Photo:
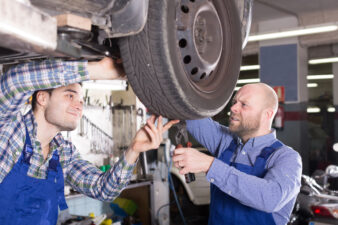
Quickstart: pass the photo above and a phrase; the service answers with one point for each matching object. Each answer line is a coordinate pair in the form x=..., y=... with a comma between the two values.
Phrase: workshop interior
x=186, y=59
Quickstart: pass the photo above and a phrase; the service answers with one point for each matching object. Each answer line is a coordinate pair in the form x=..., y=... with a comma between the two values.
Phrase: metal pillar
x=284, y=63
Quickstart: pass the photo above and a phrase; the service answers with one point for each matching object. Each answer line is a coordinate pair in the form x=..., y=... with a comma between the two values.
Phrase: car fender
x=198, y=191
x=130, y=19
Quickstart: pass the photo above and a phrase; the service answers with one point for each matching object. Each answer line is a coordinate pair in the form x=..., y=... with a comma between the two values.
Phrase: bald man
x=254, y=177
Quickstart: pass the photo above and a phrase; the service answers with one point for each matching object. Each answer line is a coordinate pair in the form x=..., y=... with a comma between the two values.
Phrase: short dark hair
x=33, y=102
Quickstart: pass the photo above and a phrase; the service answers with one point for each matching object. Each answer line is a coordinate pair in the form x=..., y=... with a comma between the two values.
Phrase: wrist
x=105, y=69
x=131, y=155
x=93, y=70
x=209, y=160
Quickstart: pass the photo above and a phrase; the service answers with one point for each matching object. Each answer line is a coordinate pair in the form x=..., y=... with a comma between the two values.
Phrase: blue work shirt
x=275, y=193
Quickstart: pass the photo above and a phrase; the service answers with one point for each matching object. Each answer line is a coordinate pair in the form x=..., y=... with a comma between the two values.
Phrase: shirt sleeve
x=89, y=180
x=270, y=193
x=209, y=133
x=19, y=82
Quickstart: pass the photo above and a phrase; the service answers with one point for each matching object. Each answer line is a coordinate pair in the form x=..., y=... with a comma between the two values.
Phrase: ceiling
x=272, y=9
x=307, y=13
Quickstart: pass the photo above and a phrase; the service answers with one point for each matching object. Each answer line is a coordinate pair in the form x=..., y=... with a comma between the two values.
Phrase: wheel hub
x=200, y=38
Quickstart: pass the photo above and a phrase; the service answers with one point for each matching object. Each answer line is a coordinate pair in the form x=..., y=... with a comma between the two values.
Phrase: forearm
x=45, y=74
x=131, y=155
x=105, y=69
x=87, y=179
x=268, y=194
x=208, y=133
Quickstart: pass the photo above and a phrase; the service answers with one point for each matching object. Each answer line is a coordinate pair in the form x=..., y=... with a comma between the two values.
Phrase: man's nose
x=234, y=108
x=78, y=103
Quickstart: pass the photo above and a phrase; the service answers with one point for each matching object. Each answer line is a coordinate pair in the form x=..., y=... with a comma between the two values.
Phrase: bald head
x=253, y=109
x=267, y=95
x=271, y=98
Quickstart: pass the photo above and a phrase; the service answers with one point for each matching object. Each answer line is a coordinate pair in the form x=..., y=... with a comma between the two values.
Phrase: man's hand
x=190, y=160
x=106, y=69
x=148, y=137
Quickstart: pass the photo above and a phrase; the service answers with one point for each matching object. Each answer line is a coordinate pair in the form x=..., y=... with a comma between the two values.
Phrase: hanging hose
x=171, y=185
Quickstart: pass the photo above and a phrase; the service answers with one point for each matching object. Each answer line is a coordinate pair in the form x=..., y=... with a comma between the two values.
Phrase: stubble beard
x=61, y=125
x=245, y=127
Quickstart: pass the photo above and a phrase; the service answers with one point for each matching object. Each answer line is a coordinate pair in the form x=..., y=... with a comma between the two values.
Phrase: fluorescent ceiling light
x=293, y=33
x=313, y=110
x=331, y=109
x=312, y=85
x=324, y=60
x=237, y=88
x=335, y=147
x=109, y=85
x=246, y=81
x=320, y=77
x=250, y=67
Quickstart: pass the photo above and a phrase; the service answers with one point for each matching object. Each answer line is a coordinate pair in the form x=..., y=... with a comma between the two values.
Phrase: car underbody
x=189, y=50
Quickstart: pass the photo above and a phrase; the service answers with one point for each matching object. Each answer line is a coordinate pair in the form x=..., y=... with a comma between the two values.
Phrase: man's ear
x=42, y=98
x=269, y=113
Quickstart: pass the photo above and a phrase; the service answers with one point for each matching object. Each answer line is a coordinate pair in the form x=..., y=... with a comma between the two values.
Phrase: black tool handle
x=189, y=177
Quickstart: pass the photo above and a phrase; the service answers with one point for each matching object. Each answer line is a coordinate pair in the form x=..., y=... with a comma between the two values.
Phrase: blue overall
x=225, y=209
x=26, y=200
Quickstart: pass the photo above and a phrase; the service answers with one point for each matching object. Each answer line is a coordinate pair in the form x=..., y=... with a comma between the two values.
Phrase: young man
x=35, y=160
x=254, y=178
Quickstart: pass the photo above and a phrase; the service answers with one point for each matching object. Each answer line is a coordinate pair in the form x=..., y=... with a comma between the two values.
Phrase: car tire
x=185, y=63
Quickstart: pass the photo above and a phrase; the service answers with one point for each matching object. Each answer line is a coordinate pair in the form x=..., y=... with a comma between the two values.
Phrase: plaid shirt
x=17, y=85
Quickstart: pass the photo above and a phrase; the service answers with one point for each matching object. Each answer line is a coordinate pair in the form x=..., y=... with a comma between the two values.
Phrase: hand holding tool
x=182, y=140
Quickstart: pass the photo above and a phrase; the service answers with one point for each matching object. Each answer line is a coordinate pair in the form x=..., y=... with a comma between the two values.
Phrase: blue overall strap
x=227, y=154
x=53, y=162
x=54, y=165
x=260, y=163
x=28, y=148
x=61, y=189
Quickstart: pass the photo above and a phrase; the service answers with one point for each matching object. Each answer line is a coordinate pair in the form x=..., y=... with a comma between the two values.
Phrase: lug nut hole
x=187, y=59
x=182, y=43
x=185, y=8
x=194, y=71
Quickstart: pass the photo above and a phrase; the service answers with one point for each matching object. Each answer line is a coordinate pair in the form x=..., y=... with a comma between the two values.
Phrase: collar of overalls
x=32, y=125
x=259, y=140
x=28, y=152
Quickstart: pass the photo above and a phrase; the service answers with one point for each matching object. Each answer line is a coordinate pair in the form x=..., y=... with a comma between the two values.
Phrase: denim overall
x=26, y=200
x=225, y=209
